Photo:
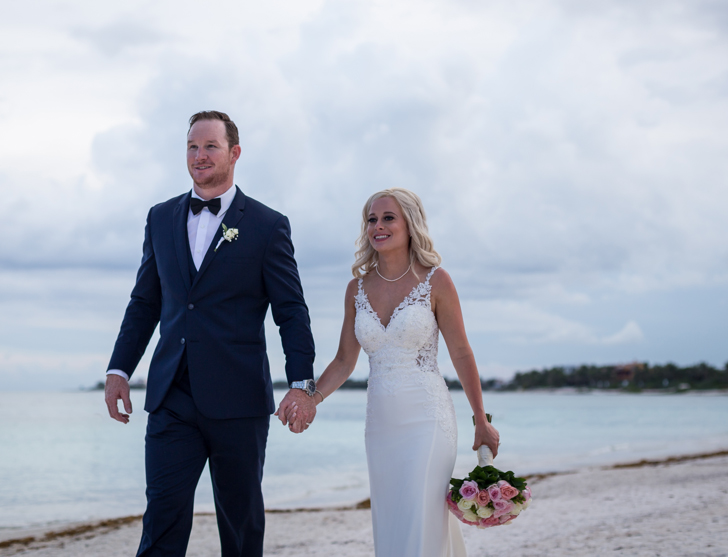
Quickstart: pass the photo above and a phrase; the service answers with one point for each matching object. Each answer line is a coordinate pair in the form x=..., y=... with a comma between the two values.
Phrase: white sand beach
x=678, y=507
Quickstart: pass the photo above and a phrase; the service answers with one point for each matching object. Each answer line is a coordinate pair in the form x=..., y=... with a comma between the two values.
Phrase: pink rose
x=502, y=507
x=469, y=490
x=494, y=492
x=527, y=493
x=490, y=521
x=482, y=498
x=506, y=518
x=450, y=503
x=507, y=490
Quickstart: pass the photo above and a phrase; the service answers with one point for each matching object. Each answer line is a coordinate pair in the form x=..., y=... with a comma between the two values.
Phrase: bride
x=395, y=308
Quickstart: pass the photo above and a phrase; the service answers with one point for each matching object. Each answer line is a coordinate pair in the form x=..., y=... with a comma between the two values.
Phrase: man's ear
x=236, y=150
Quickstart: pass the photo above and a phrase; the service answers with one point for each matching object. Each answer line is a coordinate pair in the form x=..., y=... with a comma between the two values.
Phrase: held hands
x=117, y=388
x=486, y=434
x=297, y=410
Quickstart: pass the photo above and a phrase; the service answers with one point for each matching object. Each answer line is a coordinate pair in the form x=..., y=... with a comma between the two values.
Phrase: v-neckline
x=394, y=312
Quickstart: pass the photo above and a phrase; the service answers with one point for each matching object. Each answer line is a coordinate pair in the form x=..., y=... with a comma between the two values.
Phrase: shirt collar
x=226, y=199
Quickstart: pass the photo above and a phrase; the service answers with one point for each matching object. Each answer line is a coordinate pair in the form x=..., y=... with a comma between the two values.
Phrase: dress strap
x=432, y=272
x=361, y=282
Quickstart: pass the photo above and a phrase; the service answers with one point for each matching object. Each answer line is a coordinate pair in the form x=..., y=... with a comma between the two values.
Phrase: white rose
x=464, y=504
x=516, y=510
x=525, y=504
x=470, y=516
x=485, y=512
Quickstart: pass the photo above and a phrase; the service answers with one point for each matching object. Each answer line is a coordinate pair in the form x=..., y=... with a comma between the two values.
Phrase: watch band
x=307, y=385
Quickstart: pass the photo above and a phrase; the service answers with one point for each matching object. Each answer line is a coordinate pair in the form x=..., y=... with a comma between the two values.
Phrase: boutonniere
x=228, y=235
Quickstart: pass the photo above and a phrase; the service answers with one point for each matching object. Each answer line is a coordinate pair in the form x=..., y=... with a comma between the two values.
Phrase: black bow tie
x=196, y=205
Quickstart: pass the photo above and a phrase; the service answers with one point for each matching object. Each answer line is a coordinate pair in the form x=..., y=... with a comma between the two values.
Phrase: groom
x=213, y=261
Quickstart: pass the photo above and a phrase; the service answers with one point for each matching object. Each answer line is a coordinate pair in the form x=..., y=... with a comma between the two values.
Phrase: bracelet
x=319, y=392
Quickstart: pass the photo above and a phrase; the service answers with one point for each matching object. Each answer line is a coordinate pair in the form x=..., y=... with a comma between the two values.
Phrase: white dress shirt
x=201, y=229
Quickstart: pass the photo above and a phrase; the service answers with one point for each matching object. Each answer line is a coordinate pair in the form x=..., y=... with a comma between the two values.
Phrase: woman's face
x=387, y=229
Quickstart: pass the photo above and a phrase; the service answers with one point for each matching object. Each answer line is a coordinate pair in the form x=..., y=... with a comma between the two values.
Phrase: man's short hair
x=231, y=130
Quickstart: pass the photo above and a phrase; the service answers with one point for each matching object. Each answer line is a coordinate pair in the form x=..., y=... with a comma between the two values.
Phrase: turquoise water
x=63, y=459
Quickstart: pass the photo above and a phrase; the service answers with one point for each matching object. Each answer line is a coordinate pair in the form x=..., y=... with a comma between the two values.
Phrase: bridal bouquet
x=488, y=497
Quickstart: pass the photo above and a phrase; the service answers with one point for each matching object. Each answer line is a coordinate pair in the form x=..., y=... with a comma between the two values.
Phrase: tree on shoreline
x=632, y=377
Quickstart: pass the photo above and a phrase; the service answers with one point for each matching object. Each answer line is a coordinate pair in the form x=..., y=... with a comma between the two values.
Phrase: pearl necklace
x=393, y=280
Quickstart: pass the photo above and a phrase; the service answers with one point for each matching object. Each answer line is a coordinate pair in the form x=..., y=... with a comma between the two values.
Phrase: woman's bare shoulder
x=441, y=279
x=443, y=288
x=352, y=288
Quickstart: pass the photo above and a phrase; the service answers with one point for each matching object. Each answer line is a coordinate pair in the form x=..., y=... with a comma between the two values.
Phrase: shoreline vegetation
x=635, y=377
x=104, y=532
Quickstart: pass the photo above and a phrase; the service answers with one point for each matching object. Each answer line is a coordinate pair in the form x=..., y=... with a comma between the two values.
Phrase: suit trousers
x=179, y=441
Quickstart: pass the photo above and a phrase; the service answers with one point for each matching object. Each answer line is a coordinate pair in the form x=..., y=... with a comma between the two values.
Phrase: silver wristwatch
x=308, y=386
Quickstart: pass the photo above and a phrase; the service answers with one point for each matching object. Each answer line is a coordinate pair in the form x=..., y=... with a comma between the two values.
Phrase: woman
x=395, y=306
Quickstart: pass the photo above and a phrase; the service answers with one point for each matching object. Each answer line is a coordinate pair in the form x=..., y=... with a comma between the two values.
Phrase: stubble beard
x=214, y=181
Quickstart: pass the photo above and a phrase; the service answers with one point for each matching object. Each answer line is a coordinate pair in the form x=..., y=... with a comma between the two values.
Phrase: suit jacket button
x=182, y=341
x=190, y=306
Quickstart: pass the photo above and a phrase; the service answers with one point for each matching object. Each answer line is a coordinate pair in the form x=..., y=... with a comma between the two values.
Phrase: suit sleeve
x=143, y=312
x=290, y=313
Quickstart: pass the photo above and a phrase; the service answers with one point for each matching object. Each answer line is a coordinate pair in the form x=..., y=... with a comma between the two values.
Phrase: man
x=213, y=261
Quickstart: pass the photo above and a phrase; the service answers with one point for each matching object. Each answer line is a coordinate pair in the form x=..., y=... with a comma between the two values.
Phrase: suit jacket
x=216, y=315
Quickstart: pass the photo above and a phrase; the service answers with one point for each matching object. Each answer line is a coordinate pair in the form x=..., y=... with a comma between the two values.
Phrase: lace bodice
x=409, y=338
x=405, y=352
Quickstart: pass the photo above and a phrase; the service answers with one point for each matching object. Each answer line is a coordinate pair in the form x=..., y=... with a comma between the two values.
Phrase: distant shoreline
x=454, y=385
x=635, y=377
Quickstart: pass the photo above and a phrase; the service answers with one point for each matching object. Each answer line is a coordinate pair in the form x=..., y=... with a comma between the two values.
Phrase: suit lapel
x=231, y=220
x=181, y=242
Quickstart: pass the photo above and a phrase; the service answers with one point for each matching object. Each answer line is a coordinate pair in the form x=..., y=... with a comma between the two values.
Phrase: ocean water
x=63, y=459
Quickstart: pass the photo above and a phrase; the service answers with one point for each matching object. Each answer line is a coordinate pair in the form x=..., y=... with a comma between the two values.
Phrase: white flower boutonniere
x=228, y=235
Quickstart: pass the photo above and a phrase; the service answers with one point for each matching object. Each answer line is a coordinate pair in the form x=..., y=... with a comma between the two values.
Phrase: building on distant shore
x=625, y=372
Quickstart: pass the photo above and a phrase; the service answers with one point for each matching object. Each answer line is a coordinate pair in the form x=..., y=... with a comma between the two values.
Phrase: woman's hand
x=486, y=434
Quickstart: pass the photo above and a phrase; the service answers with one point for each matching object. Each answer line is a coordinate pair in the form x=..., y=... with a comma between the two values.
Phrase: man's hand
x=297, y=410
x=117, y=388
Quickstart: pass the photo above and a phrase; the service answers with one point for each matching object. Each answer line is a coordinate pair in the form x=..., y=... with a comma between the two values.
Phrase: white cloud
x=630, y=333
x=524, y=323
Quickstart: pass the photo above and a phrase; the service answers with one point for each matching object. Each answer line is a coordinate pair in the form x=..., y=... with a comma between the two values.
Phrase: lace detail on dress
x=405, y=351
x=361, y=302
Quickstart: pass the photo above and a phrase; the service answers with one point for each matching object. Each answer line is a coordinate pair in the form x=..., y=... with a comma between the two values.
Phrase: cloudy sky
x=571, y=156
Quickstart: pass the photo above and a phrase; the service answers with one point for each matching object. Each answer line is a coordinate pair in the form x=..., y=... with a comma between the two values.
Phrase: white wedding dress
x=411, y=431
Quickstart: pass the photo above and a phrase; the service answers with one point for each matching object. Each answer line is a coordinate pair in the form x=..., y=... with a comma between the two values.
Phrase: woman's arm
x=446, y=306
x=344, y=362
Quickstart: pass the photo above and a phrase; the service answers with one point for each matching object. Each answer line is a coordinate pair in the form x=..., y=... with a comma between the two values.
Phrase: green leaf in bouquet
x=519, y=483
x=489, y=475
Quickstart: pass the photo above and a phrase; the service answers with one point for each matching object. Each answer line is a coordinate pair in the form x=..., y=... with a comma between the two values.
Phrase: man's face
x=210, y=160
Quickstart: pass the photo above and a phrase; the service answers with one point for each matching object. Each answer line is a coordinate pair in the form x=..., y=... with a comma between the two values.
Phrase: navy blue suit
x=209, y=391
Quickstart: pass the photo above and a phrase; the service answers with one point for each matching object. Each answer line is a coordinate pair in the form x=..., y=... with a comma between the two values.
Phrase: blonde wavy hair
x=421, y=247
